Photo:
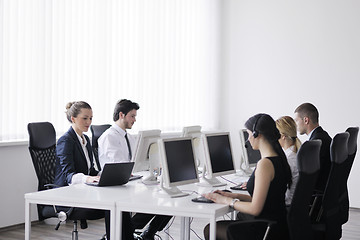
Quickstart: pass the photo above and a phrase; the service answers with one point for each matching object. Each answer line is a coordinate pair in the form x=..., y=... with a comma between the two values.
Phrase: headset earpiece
x=255, y=132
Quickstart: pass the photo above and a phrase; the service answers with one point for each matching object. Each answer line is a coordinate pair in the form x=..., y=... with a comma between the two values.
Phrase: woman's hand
x=91, y=179
x=219, y=197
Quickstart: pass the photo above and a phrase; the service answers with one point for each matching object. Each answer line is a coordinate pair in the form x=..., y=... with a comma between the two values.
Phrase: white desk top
x=134, y=197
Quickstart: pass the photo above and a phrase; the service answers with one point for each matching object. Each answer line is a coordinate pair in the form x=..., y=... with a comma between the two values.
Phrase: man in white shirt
x=116, y=145
x=113, y=146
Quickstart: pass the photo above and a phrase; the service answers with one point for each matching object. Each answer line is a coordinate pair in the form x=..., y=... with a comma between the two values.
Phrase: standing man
x=116, y=145
x=307, y=121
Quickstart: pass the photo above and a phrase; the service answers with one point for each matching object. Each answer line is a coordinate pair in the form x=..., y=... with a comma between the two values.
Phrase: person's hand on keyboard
x=91, y=179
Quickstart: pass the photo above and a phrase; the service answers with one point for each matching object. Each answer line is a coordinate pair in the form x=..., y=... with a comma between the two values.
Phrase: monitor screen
x=250, y=156
x=180, y=161
x=219, y=154
x=178, y=164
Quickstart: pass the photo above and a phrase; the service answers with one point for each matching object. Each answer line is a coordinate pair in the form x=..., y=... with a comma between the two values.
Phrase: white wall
x=279, y=54
x=17, y=178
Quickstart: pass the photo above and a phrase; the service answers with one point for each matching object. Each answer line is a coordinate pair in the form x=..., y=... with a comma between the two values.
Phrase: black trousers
x=158, y=222
x=127, y=228
x=138, y=221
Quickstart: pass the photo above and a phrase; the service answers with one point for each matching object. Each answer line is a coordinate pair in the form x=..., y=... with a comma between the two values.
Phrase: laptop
x=114, y=174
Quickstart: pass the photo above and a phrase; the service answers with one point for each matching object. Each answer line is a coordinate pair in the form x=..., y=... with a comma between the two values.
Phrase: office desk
x=132, y=197
x=154, y=201
x=79, y=195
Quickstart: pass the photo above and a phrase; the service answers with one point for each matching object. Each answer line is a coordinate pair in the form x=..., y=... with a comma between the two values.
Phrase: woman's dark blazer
x=70, y=158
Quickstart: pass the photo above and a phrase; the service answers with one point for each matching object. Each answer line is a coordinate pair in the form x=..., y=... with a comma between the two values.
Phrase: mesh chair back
x=96, y=131
x=42, y=148
x=330, y=210
x=308, y=161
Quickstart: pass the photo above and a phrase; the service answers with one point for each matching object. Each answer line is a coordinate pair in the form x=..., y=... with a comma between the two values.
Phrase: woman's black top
x=274, y=207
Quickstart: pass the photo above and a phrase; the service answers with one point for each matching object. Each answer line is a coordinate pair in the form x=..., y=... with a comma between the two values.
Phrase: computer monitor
x=178, y=165
x=191, y=131
x=249, y=156
x=146, y=155
x=218, y=158
x=195, y=133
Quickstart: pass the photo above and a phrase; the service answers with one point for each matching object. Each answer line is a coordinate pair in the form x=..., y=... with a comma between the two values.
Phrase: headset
x=255, y=132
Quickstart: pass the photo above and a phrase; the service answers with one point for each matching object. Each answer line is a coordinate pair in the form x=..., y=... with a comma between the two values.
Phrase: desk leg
x=27, y=220
x=118, y=226
x=213, y=228
x=185, y=228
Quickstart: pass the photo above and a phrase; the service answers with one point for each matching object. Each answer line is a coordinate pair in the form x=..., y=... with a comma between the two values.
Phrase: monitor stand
x=150, y=180
x=154, y=168
x=244, y=172
x=209, y=182
x=173, y=191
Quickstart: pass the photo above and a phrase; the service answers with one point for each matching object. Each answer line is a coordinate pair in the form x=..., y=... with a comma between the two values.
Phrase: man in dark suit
x=307, y=121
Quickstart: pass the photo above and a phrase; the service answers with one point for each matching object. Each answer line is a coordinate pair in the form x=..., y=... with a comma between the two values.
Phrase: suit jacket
x=70, y=158
x=325, y=162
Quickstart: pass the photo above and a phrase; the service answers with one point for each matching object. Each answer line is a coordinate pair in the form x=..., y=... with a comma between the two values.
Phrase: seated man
x=116, y=145
x=307, y=121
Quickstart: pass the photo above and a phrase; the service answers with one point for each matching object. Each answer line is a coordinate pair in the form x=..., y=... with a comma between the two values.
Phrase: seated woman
x=267, y=184
x=290, y=144
x=75, y=161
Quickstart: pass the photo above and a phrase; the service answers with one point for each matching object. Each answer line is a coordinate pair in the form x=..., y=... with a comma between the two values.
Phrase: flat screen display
x=220, y=153
x=180, y=160
x=253, y=155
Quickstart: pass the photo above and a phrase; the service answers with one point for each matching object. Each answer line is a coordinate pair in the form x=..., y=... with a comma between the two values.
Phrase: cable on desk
x=229, y=180
x=191, y=192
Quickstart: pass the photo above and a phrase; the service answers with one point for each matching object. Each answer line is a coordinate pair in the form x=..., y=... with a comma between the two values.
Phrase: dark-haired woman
x=267, y=184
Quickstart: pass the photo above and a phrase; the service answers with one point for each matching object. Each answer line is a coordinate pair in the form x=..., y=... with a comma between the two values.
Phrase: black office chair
x=96, y=131
x=327, y=223
x=42, y=147
x=257, y=229
x=308, y=162
x=344, y=195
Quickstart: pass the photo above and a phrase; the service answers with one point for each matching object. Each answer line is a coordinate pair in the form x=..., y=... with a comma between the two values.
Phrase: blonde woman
x=290, y=144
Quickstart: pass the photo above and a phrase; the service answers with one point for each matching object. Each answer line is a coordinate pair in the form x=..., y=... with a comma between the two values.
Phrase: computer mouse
x=226, y=190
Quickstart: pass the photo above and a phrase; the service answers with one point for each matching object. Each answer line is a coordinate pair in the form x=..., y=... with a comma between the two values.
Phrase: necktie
x=128, y=145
